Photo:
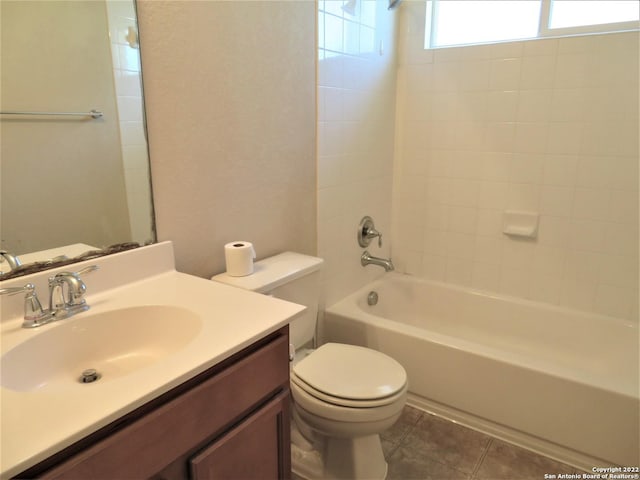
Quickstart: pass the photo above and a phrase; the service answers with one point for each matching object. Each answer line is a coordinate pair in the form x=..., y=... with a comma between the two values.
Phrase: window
x=464, y=22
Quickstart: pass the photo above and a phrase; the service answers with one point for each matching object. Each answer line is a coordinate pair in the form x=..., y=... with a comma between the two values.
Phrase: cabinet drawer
x=144, y=447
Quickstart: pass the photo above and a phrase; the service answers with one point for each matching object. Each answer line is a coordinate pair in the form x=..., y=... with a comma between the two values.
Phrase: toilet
x=344, y=396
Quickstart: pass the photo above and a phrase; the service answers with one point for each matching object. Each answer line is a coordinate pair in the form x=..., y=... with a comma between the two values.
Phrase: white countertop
x=37, y=424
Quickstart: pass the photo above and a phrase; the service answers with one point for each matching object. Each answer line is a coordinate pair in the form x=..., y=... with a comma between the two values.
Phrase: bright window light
x=469, y=22
x=461, y=22
x=574, y=13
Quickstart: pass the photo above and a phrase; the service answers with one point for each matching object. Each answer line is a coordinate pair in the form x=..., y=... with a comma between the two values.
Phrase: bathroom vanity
x=201, y=388
x=231, y=421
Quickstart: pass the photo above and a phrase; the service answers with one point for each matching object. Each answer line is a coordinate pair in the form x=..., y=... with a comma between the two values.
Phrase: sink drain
x=90, y=375
x=372, y=298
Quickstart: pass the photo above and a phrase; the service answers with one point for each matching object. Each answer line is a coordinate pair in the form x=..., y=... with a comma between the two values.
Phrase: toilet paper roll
x=239, y=257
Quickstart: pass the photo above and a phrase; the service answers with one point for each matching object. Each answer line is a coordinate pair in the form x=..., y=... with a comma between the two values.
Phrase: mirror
x=71, y=182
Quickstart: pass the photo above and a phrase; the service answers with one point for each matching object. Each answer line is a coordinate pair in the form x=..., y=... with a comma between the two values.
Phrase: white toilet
x=344, y=396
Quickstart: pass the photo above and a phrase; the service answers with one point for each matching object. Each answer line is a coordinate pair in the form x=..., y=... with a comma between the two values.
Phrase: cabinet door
x=258, y=448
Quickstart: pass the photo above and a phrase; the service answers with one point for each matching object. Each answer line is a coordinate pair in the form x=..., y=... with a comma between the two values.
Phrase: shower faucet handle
x=367, y=231
x=374, y=233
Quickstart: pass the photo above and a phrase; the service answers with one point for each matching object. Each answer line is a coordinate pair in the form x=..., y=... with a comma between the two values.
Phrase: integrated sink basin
x=114, y=343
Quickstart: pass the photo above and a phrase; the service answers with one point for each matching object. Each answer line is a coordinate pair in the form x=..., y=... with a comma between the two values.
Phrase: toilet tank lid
x=273, y=272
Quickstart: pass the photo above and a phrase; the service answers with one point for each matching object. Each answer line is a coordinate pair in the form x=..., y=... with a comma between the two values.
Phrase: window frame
x=544, y=31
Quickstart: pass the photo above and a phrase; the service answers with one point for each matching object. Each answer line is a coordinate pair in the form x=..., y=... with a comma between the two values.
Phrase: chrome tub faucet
x=368, y=259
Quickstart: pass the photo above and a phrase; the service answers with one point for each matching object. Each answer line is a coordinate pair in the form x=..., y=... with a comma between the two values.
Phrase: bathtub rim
x=404, y=277
x=348, y=307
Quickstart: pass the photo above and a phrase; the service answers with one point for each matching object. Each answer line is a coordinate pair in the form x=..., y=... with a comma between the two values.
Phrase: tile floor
x=426, y=447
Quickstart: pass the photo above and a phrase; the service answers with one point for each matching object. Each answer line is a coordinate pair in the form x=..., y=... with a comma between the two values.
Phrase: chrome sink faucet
x=59, y=306
x=12, y=260
x=368, y=259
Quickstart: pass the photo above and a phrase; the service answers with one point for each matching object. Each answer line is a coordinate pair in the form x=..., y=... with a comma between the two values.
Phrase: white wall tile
x=502, y=106
x=554, y=231
x=485, y=276
x=624, y=206
x=545, y=288
x=560, y=170
x=526, y=168
x=462, y=219
x=500, y=137
x=488, y=249
x=547, y=125
x=493, y=195
x=571, y=70
x=534, y=105
x=489, y=222
x=458, y=271
x=495, y=166
x=523, y=196
x=587, y=235
x=515, y=282
x=356, y=109
x=518, y=253
x=531, y=137
x=556, y=201
x=614, y=301
x=592, y=203
x=565, y=138
x=537, y=72
x=594, y=171
x=505, y=74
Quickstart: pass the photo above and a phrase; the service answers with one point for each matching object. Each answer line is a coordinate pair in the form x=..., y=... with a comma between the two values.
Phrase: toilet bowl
x=344, y=396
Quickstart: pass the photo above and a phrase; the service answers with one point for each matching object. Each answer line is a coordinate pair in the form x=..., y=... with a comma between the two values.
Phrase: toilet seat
x=328, y=374
x=345, y=402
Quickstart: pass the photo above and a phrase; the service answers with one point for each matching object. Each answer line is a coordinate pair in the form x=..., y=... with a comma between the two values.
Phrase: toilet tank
x=289, y=276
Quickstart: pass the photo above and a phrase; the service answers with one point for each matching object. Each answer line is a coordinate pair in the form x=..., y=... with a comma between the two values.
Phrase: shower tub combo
x=560, y=382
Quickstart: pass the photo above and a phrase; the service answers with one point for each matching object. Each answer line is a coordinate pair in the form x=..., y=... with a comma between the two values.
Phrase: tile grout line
x=414, y=425
x=483, y=455
x=406, y=434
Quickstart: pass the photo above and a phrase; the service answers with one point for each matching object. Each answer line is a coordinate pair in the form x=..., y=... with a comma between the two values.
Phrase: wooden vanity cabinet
x=230, y=422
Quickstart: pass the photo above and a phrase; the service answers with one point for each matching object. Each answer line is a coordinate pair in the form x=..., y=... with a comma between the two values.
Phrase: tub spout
x=368, y=259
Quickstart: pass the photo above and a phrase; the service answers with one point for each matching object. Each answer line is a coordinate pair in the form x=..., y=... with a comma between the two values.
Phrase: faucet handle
x=75, y=275
x=34, y=315
x=379, y=235
x=15, y=290
x=367, y=231
x=89, y=269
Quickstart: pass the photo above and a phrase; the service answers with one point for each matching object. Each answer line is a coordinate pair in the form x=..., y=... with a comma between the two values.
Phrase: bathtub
x=560, y=382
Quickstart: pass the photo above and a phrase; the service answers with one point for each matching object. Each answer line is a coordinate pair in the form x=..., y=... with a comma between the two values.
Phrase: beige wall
x=230, y=102
x=56, y=57
x=549, y=126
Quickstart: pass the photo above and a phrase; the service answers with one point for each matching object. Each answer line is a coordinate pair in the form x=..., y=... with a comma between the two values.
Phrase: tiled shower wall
x=549, y=126
x=356, y=110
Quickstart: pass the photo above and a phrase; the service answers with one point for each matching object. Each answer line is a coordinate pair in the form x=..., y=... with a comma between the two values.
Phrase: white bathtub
x=558, y=381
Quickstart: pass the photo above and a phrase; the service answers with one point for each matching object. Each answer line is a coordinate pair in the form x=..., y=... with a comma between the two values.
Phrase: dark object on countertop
x=29, y=268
